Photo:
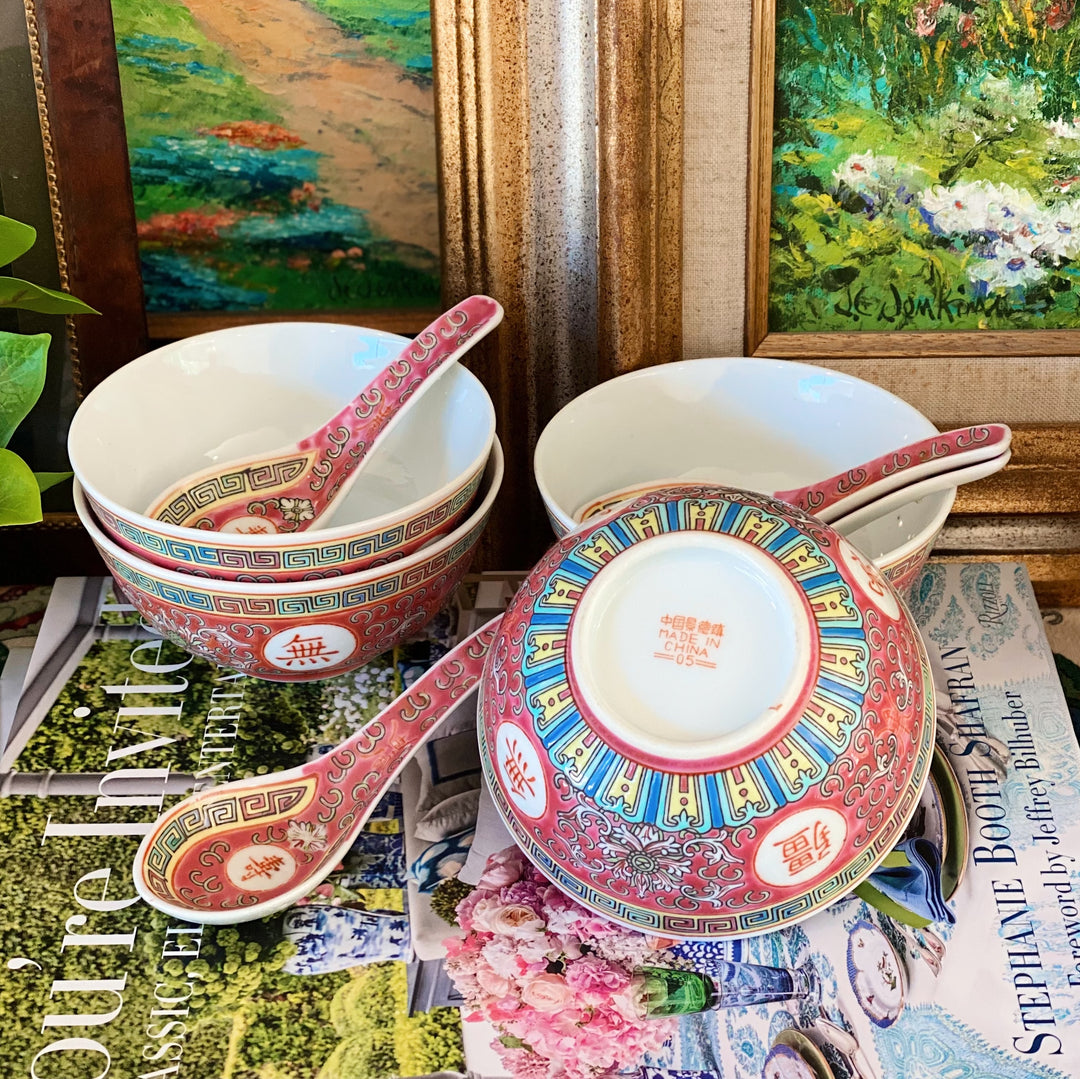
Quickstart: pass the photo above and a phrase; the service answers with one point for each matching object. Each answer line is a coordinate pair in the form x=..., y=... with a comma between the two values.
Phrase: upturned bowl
x=296, y=631
x=706, y=714
x=760, y=424
x=250, y=389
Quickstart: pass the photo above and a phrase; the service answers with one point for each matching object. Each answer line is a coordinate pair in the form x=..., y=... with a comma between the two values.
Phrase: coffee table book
x=97, y=983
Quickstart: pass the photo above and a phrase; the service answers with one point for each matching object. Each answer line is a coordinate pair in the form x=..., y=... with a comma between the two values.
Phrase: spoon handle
x=344, y=441
x=848, y=522
x=251, y=848
x=285, y=489
x=841, y=494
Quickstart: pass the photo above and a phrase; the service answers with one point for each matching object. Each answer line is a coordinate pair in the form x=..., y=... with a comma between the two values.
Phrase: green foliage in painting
x=399, y=31
x=23, y=360
x=926, y=171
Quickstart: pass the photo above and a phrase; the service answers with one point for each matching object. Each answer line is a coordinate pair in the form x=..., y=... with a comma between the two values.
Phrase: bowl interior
x=227, y=394
x=764, y=425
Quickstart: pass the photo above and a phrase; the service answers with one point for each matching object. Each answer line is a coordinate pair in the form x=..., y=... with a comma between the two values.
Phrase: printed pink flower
x=594, y=976
x=553, y=977
x=502, y=957
x=523, y=1063
x=547, y=993
x=504, y=867
x=508, y=919
x=491, y=982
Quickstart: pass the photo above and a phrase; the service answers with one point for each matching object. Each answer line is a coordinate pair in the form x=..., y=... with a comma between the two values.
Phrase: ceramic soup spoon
x=254, y=847
x=869, y=490
x=292, y=488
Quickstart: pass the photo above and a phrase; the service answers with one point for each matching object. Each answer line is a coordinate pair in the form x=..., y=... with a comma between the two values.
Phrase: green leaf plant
x=23, y=359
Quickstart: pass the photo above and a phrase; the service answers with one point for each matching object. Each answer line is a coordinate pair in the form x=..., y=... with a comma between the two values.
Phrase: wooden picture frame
x=72, y=90
x=560, y=150
x=766, y=341
x=492, y=96
x=1031, y=510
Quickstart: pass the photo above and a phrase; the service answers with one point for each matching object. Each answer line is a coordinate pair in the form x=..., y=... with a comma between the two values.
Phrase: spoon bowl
x=862, y=493
x=293, y=487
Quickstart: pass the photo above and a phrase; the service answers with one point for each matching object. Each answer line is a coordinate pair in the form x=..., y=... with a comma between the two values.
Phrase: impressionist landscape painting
x=282, y=152
x=926, y=166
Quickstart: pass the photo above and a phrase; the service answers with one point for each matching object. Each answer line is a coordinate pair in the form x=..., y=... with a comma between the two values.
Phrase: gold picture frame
x=485, y=92
x=572, y=221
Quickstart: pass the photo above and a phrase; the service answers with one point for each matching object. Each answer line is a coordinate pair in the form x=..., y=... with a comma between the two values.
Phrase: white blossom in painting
x=1009, y=266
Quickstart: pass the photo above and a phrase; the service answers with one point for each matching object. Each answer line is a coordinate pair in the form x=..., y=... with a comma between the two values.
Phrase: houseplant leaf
x=22, y=378
x=46, y=301
x=20, y=500
x=15, y=239
x=45, y=480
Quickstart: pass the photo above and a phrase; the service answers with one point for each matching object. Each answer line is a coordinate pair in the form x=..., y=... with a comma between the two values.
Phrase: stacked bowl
x=286, y=605
x=757, y=424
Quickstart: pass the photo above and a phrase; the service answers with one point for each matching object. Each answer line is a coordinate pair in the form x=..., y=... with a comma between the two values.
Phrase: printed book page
x=995, y=994
x=116, y=725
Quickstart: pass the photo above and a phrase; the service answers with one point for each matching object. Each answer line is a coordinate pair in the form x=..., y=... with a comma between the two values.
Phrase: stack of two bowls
x=284, y=602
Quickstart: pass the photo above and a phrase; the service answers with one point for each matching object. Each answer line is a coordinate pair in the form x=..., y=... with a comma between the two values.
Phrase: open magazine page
x=117, y=725
x=21, y=610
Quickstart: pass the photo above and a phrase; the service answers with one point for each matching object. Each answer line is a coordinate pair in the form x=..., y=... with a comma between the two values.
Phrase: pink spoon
x=861, y=493
x=254, y=847
x=291, y=489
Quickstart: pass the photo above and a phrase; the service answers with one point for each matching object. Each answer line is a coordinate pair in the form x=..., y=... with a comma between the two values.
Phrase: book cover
x=995, y=994
x=114, y=725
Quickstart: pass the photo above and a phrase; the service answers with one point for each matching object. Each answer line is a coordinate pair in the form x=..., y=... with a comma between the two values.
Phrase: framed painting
x=159, y=168
x=517, y=173
x=282, y=160
x=914, y=178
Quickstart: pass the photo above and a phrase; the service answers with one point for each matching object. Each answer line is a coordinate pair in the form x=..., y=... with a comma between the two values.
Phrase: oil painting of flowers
x=925, y=171
x=282, y=153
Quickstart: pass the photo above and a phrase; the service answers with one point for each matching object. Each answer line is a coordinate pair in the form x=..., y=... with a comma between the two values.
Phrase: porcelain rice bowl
x=748, y=422
x=251, y=389
x=304, y=630
x=706, y=715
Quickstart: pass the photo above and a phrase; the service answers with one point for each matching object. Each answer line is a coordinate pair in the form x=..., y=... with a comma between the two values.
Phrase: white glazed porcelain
x=248, y=389
x=760, y=424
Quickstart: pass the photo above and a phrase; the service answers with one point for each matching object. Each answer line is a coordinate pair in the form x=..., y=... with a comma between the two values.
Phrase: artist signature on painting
x=890, y=307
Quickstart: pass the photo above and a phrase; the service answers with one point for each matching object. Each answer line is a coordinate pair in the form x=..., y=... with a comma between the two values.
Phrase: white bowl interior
x=231, y=393
x=760, y=424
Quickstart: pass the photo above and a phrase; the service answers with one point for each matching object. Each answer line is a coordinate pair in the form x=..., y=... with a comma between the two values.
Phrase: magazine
x=115, y=724
x=995, y=994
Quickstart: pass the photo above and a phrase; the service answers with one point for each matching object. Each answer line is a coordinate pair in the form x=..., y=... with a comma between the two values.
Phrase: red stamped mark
x=805, y=847
x=688, y=641
x=305, y=650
